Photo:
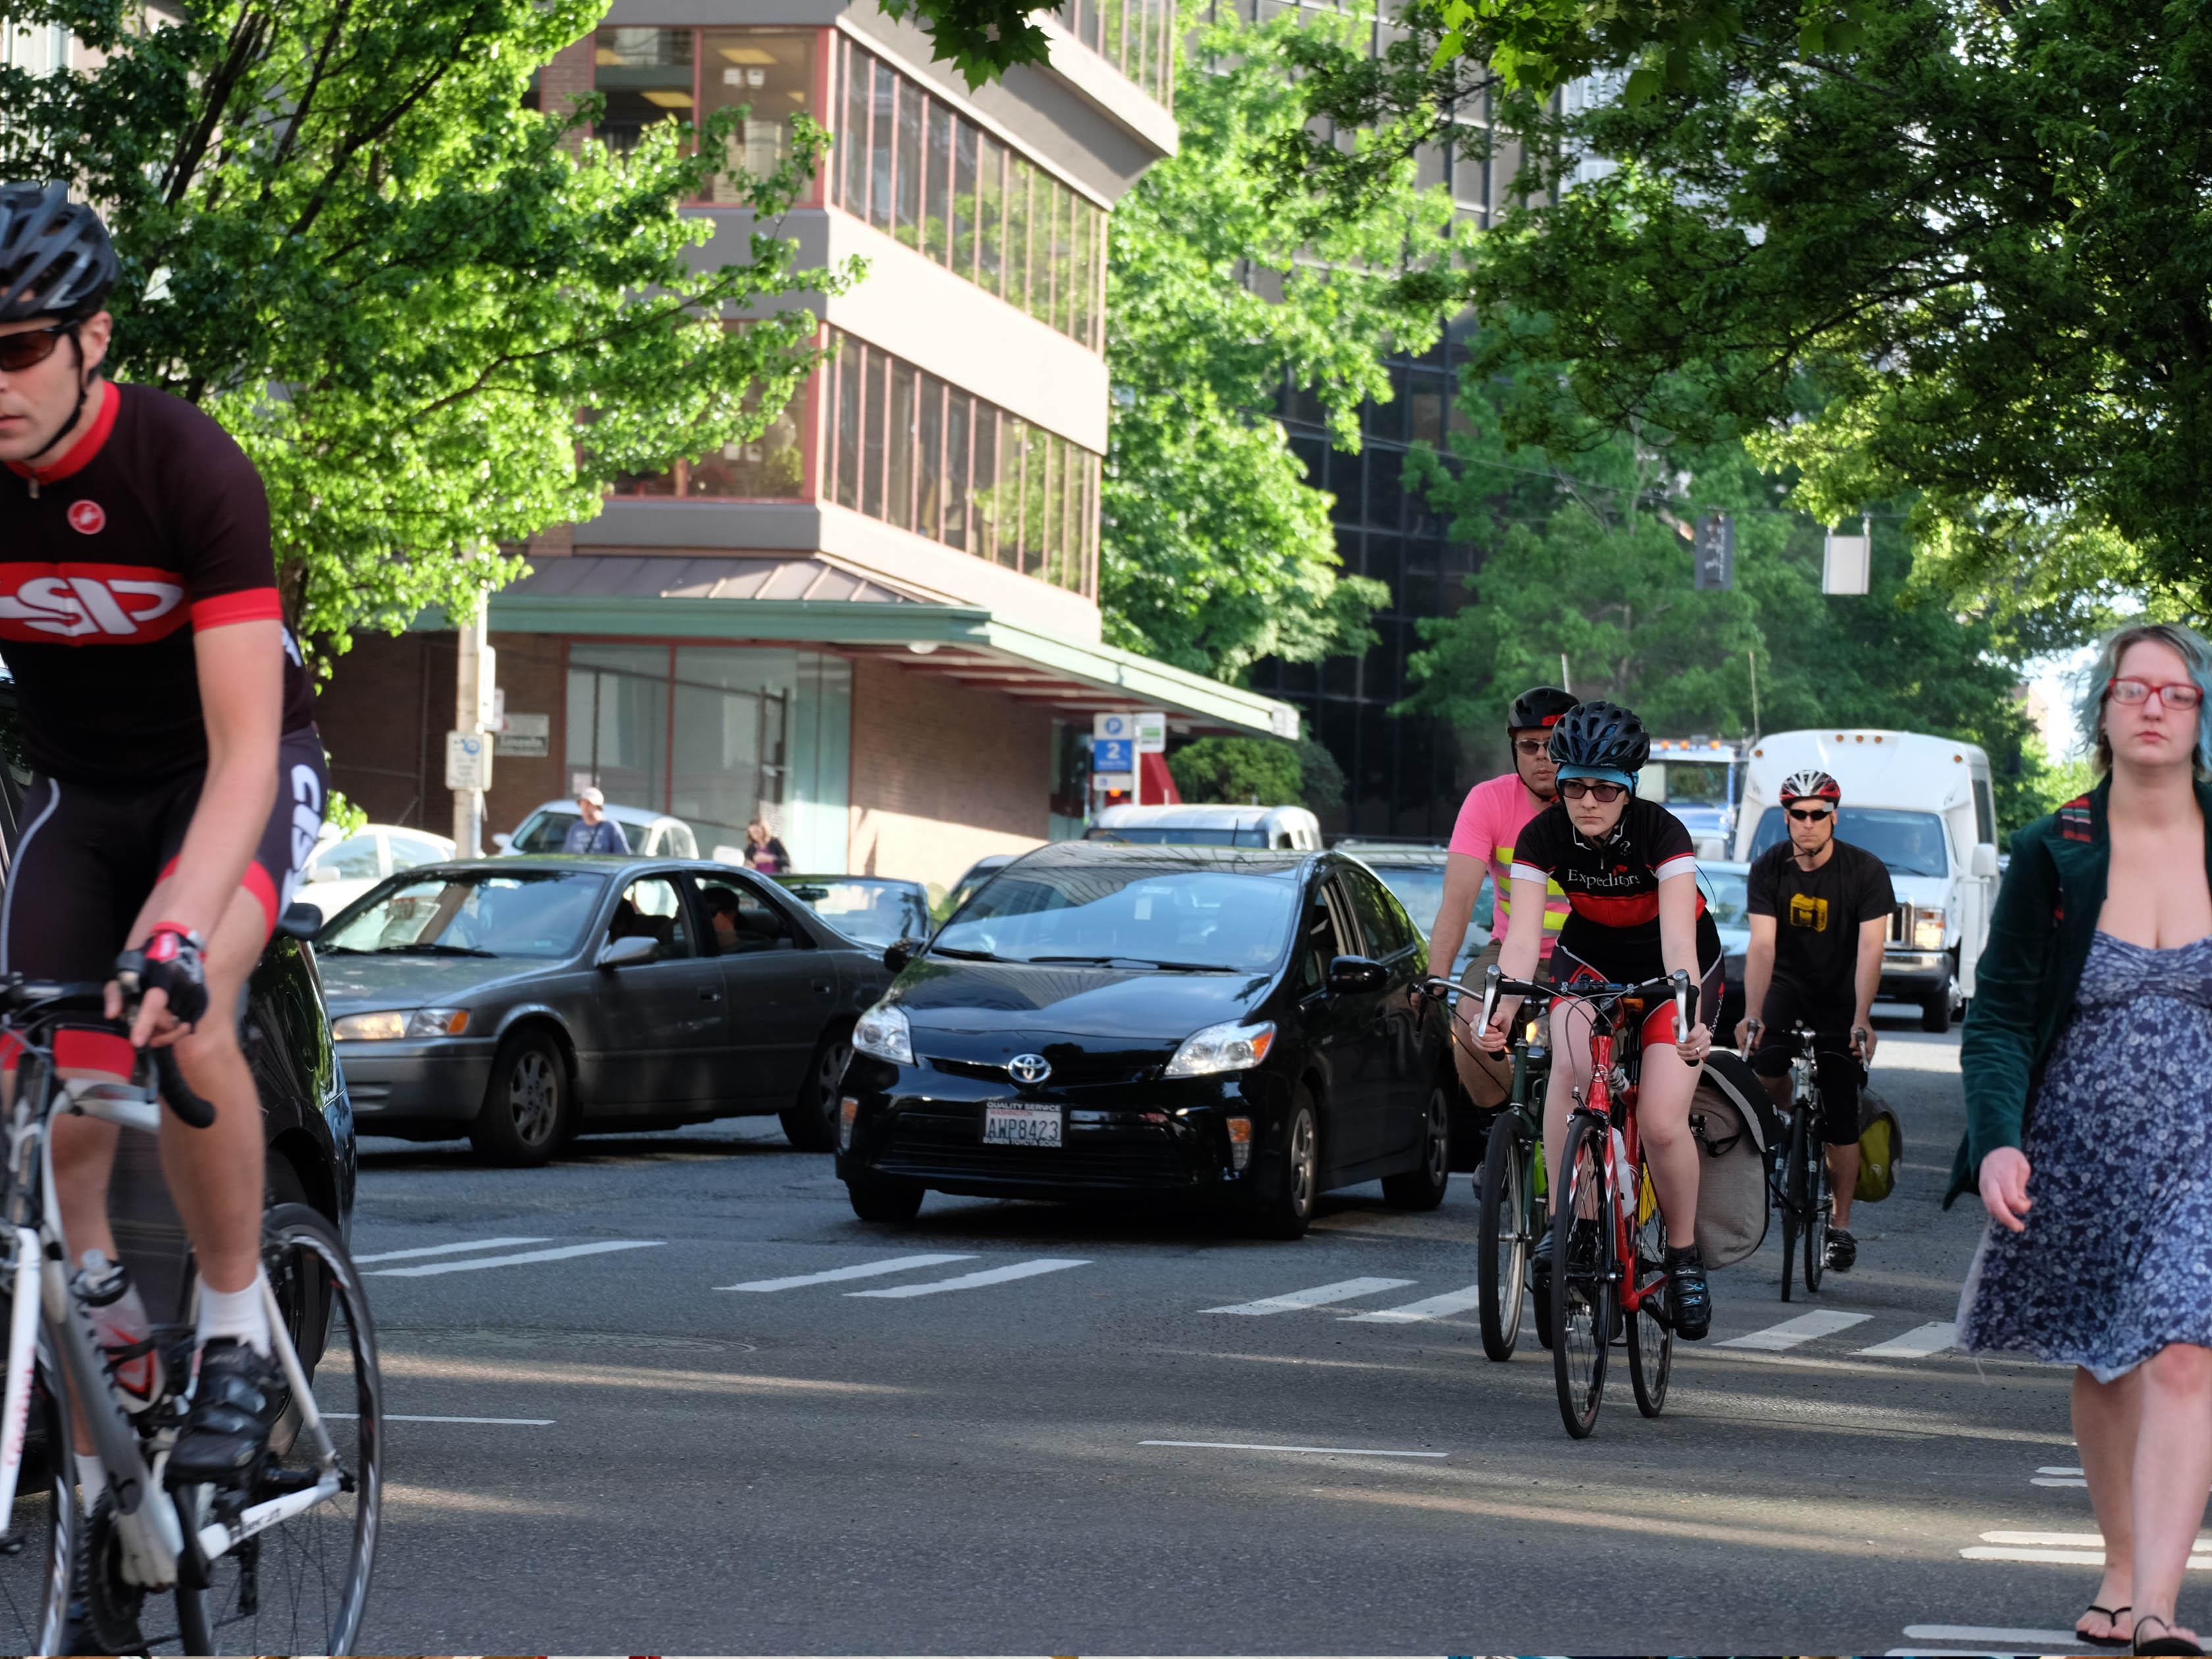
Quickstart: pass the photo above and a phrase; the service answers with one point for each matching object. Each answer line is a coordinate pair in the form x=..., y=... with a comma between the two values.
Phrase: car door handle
x=706, y=995
x=822, y=988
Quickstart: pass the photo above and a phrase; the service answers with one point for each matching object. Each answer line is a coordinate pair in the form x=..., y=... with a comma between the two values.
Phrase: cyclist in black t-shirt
x=1630, y=873
x=1820, y=911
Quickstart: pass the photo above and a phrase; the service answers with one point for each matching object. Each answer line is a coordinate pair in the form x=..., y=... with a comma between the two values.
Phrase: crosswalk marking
x=1917, y=1343
x=898, y=1264
x=448, y=1249
x=2070, y=1549
x=404, y=1417
x=2059, y=1468
x=1324, y=1452
x=1434, y=1307
x=1047, y=1264
x=1319, y=1296
x=1803, y=1328
x=2020, y=1641
x=561, y=1254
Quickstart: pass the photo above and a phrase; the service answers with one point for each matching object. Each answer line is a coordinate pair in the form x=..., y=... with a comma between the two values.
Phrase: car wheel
x=810, y=1123
x=882, y=1198
x=1291, y=1211
x=1422, y=1188
x=528, y=1106
x=1935, y=1013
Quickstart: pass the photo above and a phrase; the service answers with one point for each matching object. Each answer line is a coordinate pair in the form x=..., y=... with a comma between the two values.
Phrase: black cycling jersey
x=1613, y=886
x=152, y=527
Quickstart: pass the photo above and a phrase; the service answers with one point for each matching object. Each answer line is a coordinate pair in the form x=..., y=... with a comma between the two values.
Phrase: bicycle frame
x=1610, y=1083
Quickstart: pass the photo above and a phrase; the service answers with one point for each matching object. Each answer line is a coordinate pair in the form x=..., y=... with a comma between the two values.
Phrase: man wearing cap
x=594, y=831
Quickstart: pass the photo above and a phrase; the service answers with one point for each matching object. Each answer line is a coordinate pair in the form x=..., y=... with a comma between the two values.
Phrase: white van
x=1210, y=826
x=1921, y=805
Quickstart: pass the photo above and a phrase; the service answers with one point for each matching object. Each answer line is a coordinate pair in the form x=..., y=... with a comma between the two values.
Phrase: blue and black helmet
x=1597, y=738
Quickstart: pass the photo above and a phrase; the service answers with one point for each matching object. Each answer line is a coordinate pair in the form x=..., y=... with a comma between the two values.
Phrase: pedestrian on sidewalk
x=2088, y=1067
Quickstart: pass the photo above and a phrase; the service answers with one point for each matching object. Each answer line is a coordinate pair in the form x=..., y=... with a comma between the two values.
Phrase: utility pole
x=468, y=746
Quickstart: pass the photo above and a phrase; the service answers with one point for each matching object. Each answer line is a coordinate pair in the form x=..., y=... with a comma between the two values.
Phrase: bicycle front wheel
x=1817, y=1208
x=1793, y=1198
x=298, y=1586
x=1650, y=1340
x=34, y=1581
x=1502, y=1252
x=1581, y=1277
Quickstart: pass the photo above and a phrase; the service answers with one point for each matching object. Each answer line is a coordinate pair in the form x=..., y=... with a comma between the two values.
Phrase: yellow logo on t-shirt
x=1806, y=911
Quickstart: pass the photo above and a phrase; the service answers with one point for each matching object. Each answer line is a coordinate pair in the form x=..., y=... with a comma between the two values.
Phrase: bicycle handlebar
x=1677, y=984
x=21, y=995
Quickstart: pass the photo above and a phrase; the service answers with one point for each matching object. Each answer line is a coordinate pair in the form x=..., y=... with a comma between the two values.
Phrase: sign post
x=476, y=712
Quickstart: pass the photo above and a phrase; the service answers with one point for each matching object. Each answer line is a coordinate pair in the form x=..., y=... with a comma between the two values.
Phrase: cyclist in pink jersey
x=1490, y=820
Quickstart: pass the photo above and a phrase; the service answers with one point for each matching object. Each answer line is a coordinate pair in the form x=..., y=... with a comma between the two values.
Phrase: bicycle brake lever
x=191, y=1108
x=1490, y=977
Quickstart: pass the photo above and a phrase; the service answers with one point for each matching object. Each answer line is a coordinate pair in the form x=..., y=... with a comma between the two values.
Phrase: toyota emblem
x=1029, y=1068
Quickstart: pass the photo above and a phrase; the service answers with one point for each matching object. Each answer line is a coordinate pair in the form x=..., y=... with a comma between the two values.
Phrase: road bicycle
x=1797, y=1177
x=279, y=1565
x=1608, y=1237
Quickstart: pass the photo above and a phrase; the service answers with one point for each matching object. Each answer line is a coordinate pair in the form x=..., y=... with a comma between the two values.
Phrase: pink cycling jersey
x=1490, y=822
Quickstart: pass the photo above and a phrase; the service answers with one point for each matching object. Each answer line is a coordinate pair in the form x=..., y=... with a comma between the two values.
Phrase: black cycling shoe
x=1689, y=1304
x=1842, y=1250
x=1539, y=1265
x=235, y=1403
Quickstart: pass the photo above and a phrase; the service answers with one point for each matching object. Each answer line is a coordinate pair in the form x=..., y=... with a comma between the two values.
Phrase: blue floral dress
x=2116, y=1260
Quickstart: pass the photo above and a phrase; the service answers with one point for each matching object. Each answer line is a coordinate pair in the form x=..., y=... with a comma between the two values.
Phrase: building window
x=768, y=467
x=929, y=458
x=1136, y=36
x=650, y=75
x=911, y=165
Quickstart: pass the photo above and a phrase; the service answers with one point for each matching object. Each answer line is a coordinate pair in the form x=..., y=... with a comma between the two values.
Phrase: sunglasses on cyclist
x=1605, y=794
x=2175, y=693
x=1812, y=814
x=1532, y=747
x=30, y=347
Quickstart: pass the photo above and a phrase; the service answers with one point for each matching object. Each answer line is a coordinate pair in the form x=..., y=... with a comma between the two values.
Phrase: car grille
x=949, y=1143
x=1067, y=1071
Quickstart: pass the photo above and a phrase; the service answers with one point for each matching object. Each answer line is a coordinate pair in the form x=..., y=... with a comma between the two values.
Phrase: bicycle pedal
x=11, y=1543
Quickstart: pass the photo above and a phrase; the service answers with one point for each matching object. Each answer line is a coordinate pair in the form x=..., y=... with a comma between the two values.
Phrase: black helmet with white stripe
x=56, y=259
x=1602, y=737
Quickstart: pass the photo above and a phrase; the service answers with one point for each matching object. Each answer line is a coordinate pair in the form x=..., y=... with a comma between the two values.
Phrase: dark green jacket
x=2039, y=936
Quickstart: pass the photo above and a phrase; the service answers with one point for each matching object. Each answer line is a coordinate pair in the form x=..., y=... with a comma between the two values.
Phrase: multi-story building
x=878, y=624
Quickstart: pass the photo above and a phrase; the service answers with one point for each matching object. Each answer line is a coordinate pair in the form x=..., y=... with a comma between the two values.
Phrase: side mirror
x=900, y=953
x=502, y=840
x=302, y=921
x=632, y=952
x=1983, y=860
x=1351, y=975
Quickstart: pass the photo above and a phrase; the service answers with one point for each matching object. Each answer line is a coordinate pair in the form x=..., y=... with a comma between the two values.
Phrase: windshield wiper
x=966, y=955
x=431, y=951
x=1141, y=961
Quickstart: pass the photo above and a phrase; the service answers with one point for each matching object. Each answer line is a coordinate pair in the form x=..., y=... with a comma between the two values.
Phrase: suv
x=650, y=835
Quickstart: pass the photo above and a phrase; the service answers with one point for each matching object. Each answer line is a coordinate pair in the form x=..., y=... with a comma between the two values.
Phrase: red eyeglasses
x=2174, y=693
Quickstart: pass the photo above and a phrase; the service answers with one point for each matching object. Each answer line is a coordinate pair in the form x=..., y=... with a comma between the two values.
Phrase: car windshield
x=1696, y=783
x=544, y=833
x=1167, y=834
x=470, y=914
x=1909, y=843
x=1169, y=914
x=1419, y=888
x=874, y=912
x=1724, y=897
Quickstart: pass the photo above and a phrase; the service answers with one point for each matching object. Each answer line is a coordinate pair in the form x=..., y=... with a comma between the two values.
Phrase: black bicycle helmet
x=55, y=257
x=1538, y=708
x=1601, y=734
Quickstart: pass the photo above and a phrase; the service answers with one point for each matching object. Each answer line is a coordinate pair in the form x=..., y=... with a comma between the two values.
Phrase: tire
x=34, y=1583
x=1935, y=1013
x=1423, y=1186
x=1794, y=1210
x=1291, y=1212
x=884, y=1197
x=298, y=1586
x=1818, y=1207
x=1502, y=1252
x=810, y=1123
x=1582, y=1294
x=529, y=1106
x=1651, y=1338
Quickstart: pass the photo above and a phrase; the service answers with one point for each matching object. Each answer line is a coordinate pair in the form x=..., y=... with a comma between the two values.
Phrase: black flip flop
x=2113, y=1616
x=2167, y=1643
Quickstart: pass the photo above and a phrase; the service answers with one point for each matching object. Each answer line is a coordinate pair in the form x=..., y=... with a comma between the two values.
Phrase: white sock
x=92, y=1475
x=235, y=1313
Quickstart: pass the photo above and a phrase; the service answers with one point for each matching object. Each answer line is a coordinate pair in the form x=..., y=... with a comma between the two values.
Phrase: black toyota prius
x=1238, y=1026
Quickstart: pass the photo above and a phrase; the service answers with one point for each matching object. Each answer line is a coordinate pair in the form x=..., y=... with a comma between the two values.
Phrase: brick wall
x=567, y=78
x=942, y=775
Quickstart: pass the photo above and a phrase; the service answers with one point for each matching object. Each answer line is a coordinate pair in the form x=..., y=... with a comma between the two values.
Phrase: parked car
x=524, y=1002
x=345, y=866
x=978, y=872
x=875, y=910
x=1209, y=826
x=1238, y=1026
x=650, y=835
x=1723, y=885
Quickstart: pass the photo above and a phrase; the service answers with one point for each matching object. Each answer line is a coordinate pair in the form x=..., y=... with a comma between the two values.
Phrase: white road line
x=1326, y=1451
x=2031, y=1640
x=1917, y=1343
x=2055, y=1481
x=448, y=1250
x=1046, y=1264
x=898, y=1264
x=1803, y=1328
x=402, y=1417
x=1434, y=1307
x=2071, y=1549
x=1319, y=1296
x=2059, y=1468
x=2094, y=1540
x=561, y=1254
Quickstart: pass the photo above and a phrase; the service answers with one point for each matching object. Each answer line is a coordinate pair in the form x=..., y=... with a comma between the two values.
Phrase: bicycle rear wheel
x=1817, y=1208
x=35, y=1581
x=1650, y=1341
x=298, y=1586
x=1582, y=1278
x=1502, y=1253
x=1793, y=1197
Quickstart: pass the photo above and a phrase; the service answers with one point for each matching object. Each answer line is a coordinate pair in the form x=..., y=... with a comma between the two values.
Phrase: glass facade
x=920, y=170
x=928, y=457
x=771, y=467
x=1137, y=37
x=650, y=75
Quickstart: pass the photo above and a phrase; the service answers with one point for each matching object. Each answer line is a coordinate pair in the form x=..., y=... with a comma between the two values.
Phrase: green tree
x=343, y=235
x=1265, y=771
x=1215, y=551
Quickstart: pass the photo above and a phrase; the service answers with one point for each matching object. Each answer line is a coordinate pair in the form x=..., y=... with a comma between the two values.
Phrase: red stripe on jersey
x=79, y=453
x=253, y=605
x=89, y=604
x=1622, y=910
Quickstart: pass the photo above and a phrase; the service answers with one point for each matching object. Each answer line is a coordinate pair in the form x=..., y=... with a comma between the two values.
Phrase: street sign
x=1113, y=755
x=1120, y=783
x=1151, y=725
x=1283, y=721
x=1714, y=565
x=524, y=734
x=1847, y=561
x=1113, y=725
x=468, y=760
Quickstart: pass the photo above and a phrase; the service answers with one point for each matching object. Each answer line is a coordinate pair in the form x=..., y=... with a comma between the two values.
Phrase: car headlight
x=397, y=1023
x=884, y=1032
x=1229, y=1048
x=1927, y=929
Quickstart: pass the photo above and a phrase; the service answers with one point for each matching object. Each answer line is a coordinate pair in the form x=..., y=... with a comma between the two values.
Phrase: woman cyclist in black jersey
x=1630, y=872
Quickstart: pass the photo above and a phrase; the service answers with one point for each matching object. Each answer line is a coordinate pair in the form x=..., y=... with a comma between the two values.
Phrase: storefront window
x=650, y=75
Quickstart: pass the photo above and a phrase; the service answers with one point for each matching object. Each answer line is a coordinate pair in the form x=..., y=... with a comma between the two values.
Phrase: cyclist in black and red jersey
x=1630, y=872
x=179, y=781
